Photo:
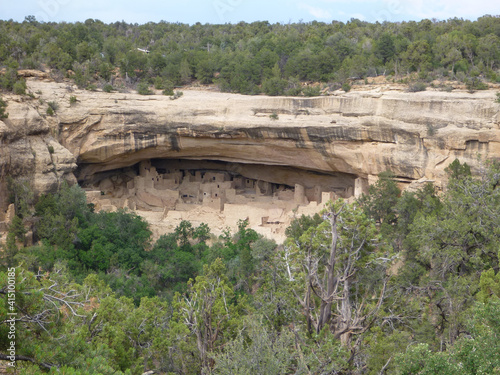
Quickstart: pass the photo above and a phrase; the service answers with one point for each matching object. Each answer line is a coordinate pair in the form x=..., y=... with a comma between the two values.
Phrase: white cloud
x=411, y=9
x=445, y=9
x=316, y=12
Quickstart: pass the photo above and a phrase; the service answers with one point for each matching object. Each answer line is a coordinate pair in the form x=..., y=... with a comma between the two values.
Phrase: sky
x=234, y=11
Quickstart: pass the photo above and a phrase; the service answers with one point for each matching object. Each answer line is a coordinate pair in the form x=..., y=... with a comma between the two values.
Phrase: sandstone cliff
x=29, y=148
x=358, y=134
x=415, y=135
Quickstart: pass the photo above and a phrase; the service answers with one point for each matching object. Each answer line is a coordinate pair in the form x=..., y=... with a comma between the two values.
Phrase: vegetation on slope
x=395, y=283
x=251, y=58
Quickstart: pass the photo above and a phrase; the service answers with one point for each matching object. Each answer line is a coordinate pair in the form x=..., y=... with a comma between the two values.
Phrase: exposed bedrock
x=29, y=149
x=359, y=134
x=292, y=151
x=415, y=135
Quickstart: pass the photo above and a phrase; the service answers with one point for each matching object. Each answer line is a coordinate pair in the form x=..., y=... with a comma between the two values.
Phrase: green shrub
x=168, y=87
x=417, y=86
x=143, y=88
x=72, y=100
x=168, y=92
x=177, y=95
x=274, y=86
x=498, y=97
x=274, y=116
x=446, y=88
x=51, y=149
x=9, y=78
x=294, y=87
x=17, y=228
x=346, y=87
x=107, y=88
x=312, y=91
x=19, y=87
x=474, y=83
x=3, y=105
x=168, y=84
x=294, y=91
x=53, y=105
x=492, y=76
x=29, y=63
x=159, y=83
x=424, y=76
x=482, y=86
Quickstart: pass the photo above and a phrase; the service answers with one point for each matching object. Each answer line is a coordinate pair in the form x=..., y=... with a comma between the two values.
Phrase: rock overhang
x=362, y=133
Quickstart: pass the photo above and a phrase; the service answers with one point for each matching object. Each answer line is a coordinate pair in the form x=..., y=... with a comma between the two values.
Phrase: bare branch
x=43, y=366
x=385, y=366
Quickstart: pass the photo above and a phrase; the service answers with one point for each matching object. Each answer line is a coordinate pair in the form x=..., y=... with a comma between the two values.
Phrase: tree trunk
x=345, y=316
x=331, y=283
x=308, y=302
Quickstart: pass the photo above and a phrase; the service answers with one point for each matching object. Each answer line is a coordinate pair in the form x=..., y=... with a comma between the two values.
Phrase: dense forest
x=252, y=58
x=393, y=283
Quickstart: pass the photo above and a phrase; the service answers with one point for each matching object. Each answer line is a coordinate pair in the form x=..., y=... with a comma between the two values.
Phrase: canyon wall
x=363, y=133
x=346, y=135
x=29, y=149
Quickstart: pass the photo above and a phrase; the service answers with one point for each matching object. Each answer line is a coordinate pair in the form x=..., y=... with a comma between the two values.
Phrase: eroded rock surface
x=416, y=135
x=352, y=136
x=29, y=149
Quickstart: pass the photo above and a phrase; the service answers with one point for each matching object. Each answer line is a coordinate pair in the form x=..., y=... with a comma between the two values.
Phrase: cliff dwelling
x=212, y=158
x=166, y=191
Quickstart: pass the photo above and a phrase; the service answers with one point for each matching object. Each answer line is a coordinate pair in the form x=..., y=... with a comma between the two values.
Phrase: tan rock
x=28, y=149
x=11, y=212
x=6, y=219
x=360, y=133
x=32, y=73
x=350, y=137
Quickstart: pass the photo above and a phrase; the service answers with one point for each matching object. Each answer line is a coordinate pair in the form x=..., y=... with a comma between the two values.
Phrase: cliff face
x=29, y=149
x=415, y=135
x=362, y=133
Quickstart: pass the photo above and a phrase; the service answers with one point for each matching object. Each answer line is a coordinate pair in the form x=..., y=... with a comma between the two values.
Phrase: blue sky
x=233, y=11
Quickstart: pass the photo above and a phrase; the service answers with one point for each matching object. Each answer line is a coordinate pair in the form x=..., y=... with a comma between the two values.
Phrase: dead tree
x=333, y=256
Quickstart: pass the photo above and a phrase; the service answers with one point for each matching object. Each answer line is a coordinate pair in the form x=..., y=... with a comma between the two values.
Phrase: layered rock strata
x=29, y=149
x=415, y=135
x=345, y=136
